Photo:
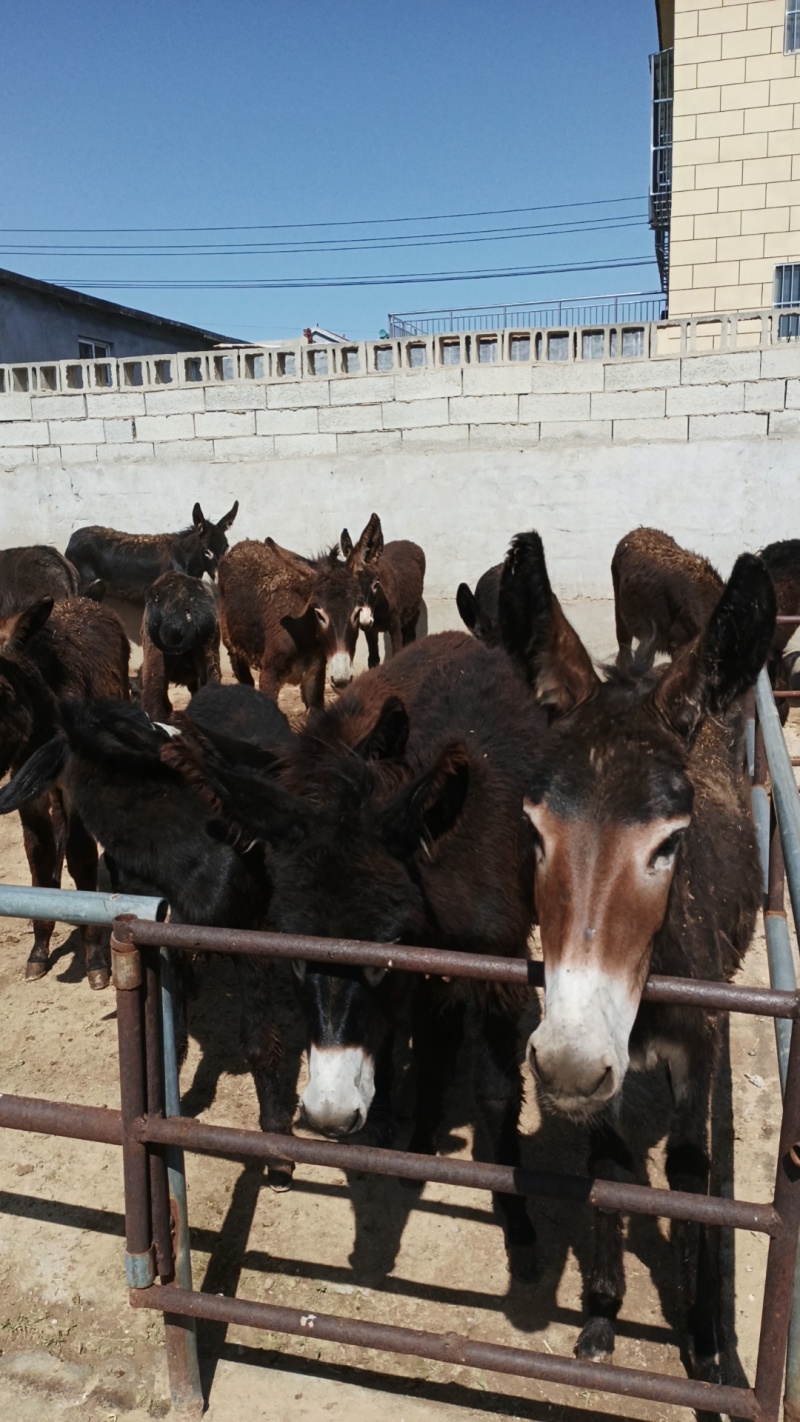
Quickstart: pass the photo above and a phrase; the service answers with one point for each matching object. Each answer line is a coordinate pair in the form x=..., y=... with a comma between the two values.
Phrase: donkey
x=49, y=653
x=129, y=562
x=662, y=592
x=39, y=571
x=295, y=618
x=393, y=584
x=180, y=640
x=160, y=839
x=397, y=818
x=478, y=609
x=646, y=859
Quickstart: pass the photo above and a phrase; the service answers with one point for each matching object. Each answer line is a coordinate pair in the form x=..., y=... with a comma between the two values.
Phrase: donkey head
x=336, y=601
x=362, y=558
x=611, y=806
x=211, y=537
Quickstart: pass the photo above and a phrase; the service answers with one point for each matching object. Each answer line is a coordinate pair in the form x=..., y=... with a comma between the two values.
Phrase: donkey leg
x=409, y=632
x=437, y=1031
x=688, y=1167
x=241, y=668
x=262, y=1046
x=373, y=647
x=498, y=1091
x=609, y=1159
x=43, y=835
x=82, y=865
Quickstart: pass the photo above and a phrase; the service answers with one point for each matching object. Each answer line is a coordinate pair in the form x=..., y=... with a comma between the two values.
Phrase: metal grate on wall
x=792, y=33
x=786, y=292
x=661, y=71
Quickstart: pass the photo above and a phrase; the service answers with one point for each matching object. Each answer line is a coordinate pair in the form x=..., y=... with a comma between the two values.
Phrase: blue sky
x=263, y=113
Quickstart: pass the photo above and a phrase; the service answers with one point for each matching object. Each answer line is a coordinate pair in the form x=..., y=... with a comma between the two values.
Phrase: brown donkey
x=646, y=860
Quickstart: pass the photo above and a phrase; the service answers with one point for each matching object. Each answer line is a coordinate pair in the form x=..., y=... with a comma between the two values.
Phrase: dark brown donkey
x=180, y=640
x=129, y=562
x=296, y=619
x=662, y=592
x=478, y=609
x=646, y=860
x=393, y=586
x=47, y=654
x=37, y=571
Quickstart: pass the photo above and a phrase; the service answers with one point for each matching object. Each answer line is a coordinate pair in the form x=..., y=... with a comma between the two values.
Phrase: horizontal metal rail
x=450, y=1348
x=439, y=962
x=76, y=906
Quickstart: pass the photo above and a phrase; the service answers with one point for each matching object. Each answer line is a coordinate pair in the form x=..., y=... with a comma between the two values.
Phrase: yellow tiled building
x=734, y=220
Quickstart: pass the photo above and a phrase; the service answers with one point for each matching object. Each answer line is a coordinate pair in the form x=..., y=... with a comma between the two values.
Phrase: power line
x=350, y=222
x=307, y=283
x=316, y=248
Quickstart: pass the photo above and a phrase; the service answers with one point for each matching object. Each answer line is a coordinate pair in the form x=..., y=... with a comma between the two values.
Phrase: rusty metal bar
x=450, y=1348
x=126, y=970
x=59, y=1118
x=479, y=1175
x=159, y=1192
x=779, y=1282
x=438, y=962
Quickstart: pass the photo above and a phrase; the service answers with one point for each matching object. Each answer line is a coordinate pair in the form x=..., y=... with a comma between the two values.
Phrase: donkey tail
x=37, y=775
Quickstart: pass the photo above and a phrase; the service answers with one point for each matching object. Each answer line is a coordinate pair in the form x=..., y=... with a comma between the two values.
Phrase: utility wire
x=350, y=222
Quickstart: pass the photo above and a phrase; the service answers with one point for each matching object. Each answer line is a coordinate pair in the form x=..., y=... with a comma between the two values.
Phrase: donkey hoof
x=97, y=978
x=596, y=1341
x=708, y=1369
x=279, y=1175
x=522, y=1262
x=35, y=968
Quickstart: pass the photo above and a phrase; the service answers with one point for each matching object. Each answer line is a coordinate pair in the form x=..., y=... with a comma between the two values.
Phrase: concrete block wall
x=735, y=155
x=705, y=446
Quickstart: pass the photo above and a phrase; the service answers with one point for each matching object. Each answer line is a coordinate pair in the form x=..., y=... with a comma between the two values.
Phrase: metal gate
x=153, y=1136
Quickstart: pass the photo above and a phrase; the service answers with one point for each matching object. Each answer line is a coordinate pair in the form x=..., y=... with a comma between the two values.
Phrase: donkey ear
x=537, y=635
x=467, y=606
x=198, y=518
x=369, y=546
x=26, y=624
x=389, y=736
x=300, y=566
x=345, y=543
x=227, y=519
x=302, y=629
x=725, y=660
x=429, y=807
x=248, y=804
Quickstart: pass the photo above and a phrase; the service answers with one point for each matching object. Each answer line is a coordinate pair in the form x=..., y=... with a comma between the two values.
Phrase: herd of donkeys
x=471, y=785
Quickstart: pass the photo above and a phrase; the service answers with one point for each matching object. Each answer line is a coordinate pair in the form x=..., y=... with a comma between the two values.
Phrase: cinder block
x=514, y=379
x=561, y=378
x=478, y=409
x=245, y=447
x=784, y=140
x=285, y=422
x=767, y=66
x=79, y=453
x=784, y=91
x=370, y=441
x=221, y=424
x=354, y=419
x=19, y=407
x=686, y=25
x=783, y=360
x=47, y=407
x=19, y=432
x=576, y=431
x=439, y=434
x=292, y=446
x=533, y=408
x=111, y=405
x=701, y=49
x=429, y=384
x=629, y=405
x=740, y=96
x=741, y=426
x=716, y=274
x=779, y=246
x=175, y=402
x=163, y=427
x=746, y=42
x=720, y=369
x=785, y=424
x=11, y=457
x=125, y=453
x=236, y=395
x=777, y=194
x=714, y=19
x=702, y=249
x=648, y=431
x=716, y=124
x=744, y=145
x=298, y=394
x=767, y=170
x=778, y=116
x=508, y=436
x=792, y=401
x=766, y=219
x=721, y=71
x=763, y=395
x=706, y=399
x=413, y=414
x=363, y=390
x=643, y=375
x=118, y=431
x=682, y=230
x=191, y=451
x=696, y=101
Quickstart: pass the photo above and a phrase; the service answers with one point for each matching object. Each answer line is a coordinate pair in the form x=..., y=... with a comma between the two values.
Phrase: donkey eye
x=207, y=553
x=665, y=854
x=321, y=616
x=376, y=585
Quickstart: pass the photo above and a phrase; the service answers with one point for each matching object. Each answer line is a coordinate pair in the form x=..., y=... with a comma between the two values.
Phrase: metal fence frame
x=153, y=1136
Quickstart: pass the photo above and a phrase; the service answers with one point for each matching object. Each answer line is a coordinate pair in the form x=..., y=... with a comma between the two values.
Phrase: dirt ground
x=364, y=1247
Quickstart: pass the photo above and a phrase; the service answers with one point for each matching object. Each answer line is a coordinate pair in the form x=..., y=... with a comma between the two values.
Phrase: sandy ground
x=368, y=1248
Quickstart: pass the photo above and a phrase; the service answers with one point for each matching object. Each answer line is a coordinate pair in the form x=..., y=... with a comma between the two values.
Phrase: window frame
x=97, y=354
x=791, y=28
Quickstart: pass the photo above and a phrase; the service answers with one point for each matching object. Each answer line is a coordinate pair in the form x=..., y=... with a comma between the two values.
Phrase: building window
x=792, y=35
x=786, y=292
x=89, y=349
